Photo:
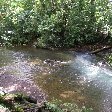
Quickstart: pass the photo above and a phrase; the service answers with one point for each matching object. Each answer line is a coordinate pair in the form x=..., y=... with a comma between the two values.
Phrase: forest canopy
x=55, y=23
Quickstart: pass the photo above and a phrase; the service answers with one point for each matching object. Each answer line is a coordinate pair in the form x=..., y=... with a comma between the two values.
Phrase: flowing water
x=64, y=75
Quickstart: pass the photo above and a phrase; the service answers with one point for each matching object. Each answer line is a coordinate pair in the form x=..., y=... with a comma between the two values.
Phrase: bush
x=61, y=23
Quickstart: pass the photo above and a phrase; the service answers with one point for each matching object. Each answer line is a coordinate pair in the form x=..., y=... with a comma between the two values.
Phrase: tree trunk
x=100, y=50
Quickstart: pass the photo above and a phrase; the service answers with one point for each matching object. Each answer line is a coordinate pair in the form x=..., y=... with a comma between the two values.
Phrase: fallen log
x=100, y=50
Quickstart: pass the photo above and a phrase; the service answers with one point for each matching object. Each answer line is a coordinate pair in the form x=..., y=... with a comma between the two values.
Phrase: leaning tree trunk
x=100, y=50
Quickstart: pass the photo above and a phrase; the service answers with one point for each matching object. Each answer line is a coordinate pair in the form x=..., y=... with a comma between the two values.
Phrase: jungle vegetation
x=55, y=23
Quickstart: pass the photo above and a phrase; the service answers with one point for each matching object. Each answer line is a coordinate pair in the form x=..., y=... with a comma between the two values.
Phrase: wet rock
x=4, y=109
x=2, y=92
x=67, y=94
x=10, y=84
x=56, y=62
x=31, y=100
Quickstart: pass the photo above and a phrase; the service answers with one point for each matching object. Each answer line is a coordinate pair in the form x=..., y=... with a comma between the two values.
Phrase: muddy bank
x=10, y=84
x=85, y=48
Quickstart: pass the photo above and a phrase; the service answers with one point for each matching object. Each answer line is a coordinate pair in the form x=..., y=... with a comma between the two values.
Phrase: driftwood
x=100, y=50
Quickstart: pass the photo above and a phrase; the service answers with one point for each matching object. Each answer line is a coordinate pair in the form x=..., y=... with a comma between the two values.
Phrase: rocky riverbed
x=10, y=84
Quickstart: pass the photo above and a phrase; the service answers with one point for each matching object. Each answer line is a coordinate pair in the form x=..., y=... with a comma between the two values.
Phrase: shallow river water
x=64, y=75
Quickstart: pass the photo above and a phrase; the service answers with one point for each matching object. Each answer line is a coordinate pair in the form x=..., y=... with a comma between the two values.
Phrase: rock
x=9, y=97
x=56, y=62
x=4, y=109
x=67, y=94
x=2, y=92
x=11, y=84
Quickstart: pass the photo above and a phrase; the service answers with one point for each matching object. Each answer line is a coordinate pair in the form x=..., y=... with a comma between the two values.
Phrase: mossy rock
x=24, y=103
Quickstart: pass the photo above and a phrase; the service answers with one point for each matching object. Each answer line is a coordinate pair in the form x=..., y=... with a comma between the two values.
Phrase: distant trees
x=55, y=23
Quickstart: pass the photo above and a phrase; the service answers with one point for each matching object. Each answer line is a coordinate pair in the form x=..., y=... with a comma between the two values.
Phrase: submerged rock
x=10, y=84
x=56, y=62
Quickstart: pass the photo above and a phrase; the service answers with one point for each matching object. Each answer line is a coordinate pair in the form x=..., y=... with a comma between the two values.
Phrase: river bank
x=22, y=103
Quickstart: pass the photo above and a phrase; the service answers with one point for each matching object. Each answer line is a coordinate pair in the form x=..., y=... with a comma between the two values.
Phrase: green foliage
x=59, y=106
x=109, y=59
x=53, y=107
x=55, y=23
x=86, y=110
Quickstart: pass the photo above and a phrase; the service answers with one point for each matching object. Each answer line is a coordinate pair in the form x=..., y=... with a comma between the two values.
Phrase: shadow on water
x=68, y=76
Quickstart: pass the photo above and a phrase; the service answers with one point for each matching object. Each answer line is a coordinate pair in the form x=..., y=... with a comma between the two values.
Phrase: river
x=64, y=75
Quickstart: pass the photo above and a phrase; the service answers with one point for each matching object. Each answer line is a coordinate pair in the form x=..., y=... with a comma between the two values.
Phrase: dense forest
x=55, y=23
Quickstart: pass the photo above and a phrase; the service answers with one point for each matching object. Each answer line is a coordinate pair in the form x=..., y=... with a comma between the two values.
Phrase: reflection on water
x=67, y=76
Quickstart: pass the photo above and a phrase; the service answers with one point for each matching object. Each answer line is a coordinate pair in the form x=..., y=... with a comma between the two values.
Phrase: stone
x=4, y=109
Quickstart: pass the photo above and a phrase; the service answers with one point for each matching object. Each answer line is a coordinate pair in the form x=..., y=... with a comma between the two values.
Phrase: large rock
x=4, y=109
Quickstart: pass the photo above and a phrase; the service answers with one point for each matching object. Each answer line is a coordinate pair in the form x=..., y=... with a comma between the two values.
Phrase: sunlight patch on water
x=21, y=69
x=24, y=67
